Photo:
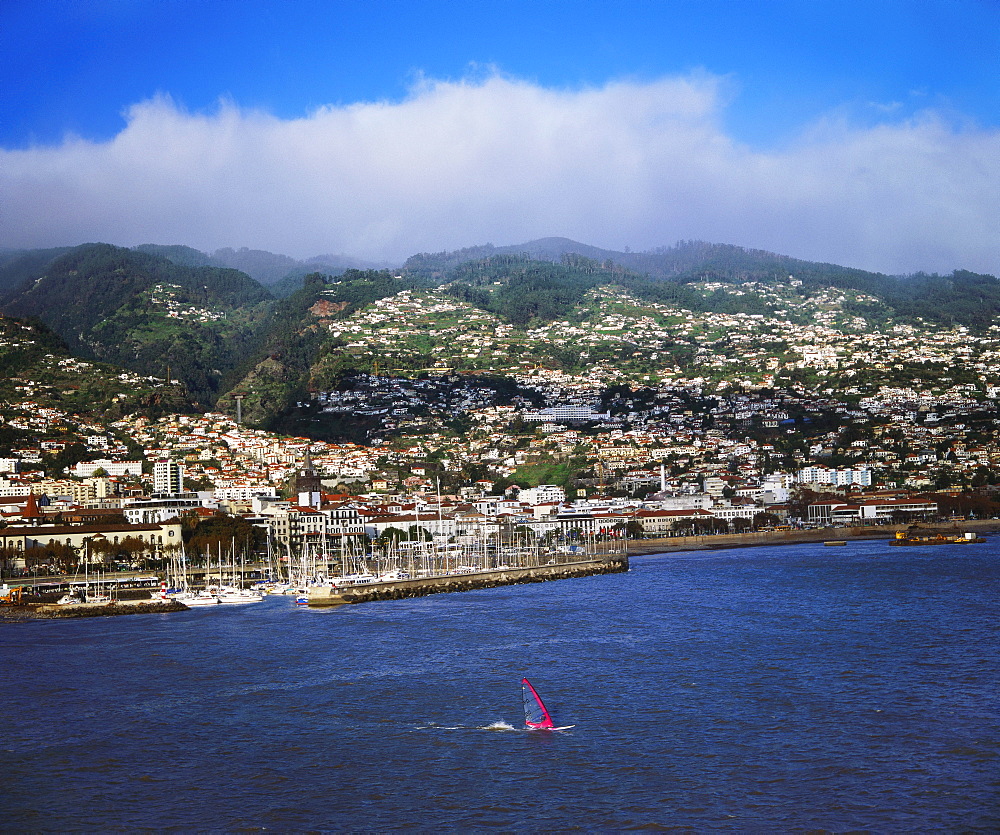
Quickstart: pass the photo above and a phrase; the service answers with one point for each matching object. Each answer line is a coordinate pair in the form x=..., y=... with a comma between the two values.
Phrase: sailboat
x=536, y=715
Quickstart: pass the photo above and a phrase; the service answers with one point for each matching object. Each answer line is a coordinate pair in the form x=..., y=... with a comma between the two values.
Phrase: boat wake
x=499, y=725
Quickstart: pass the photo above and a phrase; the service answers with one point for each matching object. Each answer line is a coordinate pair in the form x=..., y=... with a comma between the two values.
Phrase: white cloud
x=458, y=163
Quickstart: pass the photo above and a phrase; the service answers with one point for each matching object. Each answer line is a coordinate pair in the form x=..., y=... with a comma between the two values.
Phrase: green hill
x=550, y=303
x=40, y=368
x=146, y=313
x=551, y=274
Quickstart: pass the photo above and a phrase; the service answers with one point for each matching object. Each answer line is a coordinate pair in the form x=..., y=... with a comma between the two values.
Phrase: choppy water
x=799, y=687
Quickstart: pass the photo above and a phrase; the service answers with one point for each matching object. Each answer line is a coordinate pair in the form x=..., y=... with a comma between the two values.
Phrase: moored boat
x=232, y=594
x=190, y=598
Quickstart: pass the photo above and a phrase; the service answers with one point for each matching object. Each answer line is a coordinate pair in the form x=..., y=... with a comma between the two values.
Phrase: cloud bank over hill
x=632, y=163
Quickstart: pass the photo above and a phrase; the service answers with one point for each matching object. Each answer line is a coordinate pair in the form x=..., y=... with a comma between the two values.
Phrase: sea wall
x=402, y=589
x=52, y=611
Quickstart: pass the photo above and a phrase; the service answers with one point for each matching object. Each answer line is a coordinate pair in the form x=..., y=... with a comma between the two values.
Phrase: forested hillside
x=143, y=312
x=548, y=275
x=39, y=367
x=19, y=266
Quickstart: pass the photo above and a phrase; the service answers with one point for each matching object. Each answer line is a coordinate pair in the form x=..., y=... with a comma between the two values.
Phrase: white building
x=835, y=478
x=565, y=414
x=244, y=493
x=168, y=477
x=155, y=511
x=542, y=494
x=882, y=510
x=85, y=469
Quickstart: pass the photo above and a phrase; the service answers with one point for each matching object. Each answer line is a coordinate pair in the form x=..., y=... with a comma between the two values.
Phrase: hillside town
x=647, y=463
x=813, y=412
x=825, y=341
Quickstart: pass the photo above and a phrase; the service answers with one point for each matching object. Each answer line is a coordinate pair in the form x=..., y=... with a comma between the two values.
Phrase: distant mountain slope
x=184, y=256
x=39, y=367
x=281, y=274
x=553, y=249
x=219, y=330
x=18, y=266
x=144, y=312
x=965, y=298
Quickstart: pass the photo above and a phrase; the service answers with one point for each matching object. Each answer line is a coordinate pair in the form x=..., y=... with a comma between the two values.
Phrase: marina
x=321, y=577
x=325, y=577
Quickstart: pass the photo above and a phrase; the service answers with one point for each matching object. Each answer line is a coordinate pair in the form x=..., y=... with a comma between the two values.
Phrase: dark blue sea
x=761, y=689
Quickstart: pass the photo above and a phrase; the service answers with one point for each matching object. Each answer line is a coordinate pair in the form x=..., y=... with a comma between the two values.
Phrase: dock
x=419, y=587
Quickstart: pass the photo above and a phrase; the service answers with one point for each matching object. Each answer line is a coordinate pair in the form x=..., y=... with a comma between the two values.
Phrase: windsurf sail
x=535, y=713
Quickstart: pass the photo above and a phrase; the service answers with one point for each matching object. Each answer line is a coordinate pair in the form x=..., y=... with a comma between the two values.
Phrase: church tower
x=308, y=484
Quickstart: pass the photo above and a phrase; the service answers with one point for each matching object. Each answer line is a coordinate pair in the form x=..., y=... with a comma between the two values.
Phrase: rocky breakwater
x=50, y=611
x=401, y=589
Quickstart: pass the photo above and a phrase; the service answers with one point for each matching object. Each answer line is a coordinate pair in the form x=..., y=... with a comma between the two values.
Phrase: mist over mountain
x=266, y=267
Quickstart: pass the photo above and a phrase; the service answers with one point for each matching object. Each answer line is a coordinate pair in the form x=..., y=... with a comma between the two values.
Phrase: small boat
x=536, y=715
x=835, y=542
x=191, y=598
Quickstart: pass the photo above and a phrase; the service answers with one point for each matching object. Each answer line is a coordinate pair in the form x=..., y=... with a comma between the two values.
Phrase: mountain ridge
x=219, y=329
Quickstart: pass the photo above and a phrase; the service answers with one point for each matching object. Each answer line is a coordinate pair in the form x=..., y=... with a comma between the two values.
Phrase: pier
x=330, y=595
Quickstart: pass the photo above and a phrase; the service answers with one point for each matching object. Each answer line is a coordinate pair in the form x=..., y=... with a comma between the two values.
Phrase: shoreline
x=711, y=542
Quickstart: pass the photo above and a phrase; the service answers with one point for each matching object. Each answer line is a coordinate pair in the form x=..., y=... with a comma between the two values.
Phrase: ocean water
x=764, y=689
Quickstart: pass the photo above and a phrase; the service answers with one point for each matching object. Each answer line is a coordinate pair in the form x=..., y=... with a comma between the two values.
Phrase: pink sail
x=536, y=716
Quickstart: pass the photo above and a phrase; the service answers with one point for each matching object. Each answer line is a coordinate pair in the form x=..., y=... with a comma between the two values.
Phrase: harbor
x=318, y=578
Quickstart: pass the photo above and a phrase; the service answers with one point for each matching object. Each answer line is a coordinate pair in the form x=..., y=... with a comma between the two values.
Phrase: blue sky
x=859, y=132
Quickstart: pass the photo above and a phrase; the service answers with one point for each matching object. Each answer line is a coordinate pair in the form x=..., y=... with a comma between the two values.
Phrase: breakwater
x=402, y=589
x=54, y=611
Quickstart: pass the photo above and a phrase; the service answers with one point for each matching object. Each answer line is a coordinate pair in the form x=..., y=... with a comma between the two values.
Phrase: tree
x=392, y=534
x=633, y=529
x=765, y=520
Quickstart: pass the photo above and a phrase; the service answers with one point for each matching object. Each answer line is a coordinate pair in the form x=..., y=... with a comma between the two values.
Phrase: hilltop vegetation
x=551, y=275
